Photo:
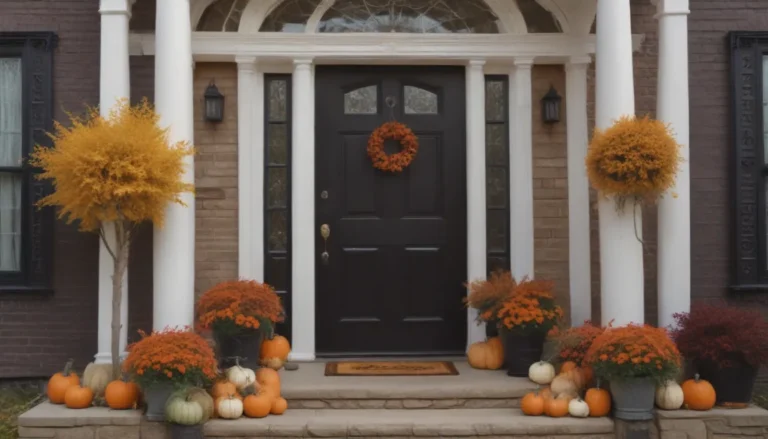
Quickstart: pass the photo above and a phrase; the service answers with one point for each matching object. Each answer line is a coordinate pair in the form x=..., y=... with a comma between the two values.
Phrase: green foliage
x=14, y=402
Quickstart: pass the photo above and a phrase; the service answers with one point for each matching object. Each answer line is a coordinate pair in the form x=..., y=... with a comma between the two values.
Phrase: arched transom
x=376, y=16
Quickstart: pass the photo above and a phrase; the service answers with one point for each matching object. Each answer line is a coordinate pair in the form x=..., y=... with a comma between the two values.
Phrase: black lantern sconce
x=214, y=104
x=550, y=106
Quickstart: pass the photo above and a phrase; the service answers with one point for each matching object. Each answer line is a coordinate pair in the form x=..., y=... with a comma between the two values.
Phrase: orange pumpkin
x=257, y=406
x=77, y=397
x=532, y=404
x=556, y=408
x=274, y=352
x=279, y=406
x=60, y=382
x=223, y=388
x=269, y=380
x=486, y=354
x=698, y=394
x=121, y=395
x=568, y=366
x=546, y=393
x=599, y=401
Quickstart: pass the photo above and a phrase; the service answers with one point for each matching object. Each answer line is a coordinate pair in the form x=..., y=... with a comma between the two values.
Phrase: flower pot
x=520, y=351
x=156, y=396
x=491, y=329
x=246, y=346
x=733, y=385
x=186, y=431
x=633, y=398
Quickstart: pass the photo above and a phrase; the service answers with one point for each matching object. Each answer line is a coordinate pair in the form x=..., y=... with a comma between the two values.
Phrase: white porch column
x=621, y=254
x=174, y=243
x=114, y=85
x=477, y=254
x=521, y=169
x=578, y=190
x=250, y=127
x=674, y=239
x=303, y=213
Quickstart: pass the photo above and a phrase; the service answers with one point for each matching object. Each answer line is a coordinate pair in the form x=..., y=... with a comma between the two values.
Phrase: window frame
x=503, y=255
x=35, y=49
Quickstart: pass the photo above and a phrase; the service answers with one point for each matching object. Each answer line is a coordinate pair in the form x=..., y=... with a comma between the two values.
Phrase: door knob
x=325, y=231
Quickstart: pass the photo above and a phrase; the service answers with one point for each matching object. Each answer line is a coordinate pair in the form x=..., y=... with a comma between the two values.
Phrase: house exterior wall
x=38, y=333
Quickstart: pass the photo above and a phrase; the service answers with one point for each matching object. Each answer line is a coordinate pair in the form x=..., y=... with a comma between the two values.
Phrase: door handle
x=325, y=232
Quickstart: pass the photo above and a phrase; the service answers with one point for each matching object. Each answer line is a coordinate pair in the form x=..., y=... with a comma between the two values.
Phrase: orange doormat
x=390, y=368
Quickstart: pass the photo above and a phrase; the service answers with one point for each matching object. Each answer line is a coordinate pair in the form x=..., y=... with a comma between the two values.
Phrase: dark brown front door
x=392, y=283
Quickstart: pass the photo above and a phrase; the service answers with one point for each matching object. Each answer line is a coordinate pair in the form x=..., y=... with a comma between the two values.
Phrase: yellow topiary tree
x=118, y=170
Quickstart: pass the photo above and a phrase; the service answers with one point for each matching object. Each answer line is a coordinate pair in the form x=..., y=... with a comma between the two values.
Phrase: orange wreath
x=400, y=160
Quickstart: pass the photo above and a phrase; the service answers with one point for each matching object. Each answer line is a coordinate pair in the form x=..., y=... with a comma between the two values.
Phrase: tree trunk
x=120, y=265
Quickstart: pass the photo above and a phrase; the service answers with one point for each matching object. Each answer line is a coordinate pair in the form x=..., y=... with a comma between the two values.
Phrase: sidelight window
x=497, y=171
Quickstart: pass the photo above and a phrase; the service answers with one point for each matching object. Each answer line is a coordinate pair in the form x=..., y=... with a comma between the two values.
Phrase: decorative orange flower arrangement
x=233, y=307
x=636, y=158
x=400, y=160
x=486, y=296
x=634, y=351
x=530, y=308
x=573, y=343
x=178, y=356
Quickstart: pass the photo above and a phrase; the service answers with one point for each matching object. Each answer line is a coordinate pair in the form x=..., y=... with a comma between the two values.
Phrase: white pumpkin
x=180, y=410
x=97, y=377
x=669, y=396
x=240, y=376
x=541, y=372
x=229, y=408
x=578, y=408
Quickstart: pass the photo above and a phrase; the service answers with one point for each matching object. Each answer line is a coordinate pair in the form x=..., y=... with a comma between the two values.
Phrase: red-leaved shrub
x=723, y=334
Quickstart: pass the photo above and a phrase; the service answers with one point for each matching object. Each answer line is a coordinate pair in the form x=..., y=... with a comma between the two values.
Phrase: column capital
x=671, y=7
x=579, y=62
x=523, y=62
x=476, y=63
x=246, y=63
x=300, y=63
x=116, y=7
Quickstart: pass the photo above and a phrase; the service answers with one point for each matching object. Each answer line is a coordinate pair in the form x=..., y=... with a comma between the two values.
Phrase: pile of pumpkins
x=561, y=397
x=255, y=394
x=65, y=388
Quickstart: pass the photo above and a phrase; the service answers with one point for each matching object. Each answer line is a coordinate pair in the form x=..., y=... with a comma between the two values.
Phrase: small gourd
x=181, y=410
x=229, y=408
x=698, y=394
x=274, y=352
x=240, y=376
x=97, y=377
x=568, y=366
x=533, y=403
x=578, y=408
x=487, y=354
x=556, y=408
x=541, y=372
x=669, y=396
x=202, y=398
x=258, y=406
x=60, y=382
x=223, y=389
x=599, y=401
x=568, y=382
x=268, y=380
x=279, y=406
x=77, y=397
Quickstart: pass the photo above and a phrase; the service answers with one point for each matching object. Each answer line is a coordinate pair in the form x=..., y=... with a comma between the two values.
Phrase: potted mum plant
x=239, y=314
x=525, y=318
x=726, y=346
x=486, y=297
x=166, y=361
x=186, y=411
x=573, y=343
x=634, y=359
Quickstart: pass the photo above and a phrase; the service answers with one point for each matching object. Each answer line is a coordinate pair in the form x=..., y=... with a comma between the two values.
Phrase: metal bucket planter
x=186, y=431
x=244, y=346
x=155, y=397
x=520, y=351
x=633, y=398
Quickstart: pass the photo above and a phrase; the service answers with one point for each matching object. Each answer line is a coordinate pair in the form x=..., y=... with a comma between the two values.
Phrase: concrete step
x=509, y=423
x=309, y=388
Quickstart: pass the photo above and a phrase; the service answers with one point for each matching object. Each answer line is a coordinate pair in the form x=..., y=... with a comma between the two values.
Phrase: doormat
x=390, y=368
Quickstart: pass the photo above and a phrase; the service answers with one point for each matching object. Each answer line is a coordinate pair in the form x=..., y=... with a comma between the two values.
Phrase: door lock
x=325, y=232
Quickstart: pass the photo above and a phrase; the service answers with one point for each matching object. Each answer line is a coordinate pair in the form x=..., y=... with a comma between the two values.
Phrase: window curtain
x=10, y=156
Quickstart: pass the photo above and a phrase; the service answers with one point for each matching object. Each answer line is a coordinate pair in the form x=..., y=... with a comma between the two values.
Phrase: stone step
x=309, y=388
x=463, y=423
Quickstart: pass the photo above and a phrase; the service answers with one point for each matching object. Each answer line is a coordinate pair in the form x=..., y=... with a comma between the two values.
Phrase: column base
x=106, y=358
x=297, y=356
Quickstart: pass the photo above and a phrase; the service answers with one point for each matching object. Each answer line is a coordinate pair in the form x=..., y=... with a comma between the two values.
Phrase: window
x=25, y=117
x=278, y=190
x=364, y=100
x=420, y=101
x=497, y=171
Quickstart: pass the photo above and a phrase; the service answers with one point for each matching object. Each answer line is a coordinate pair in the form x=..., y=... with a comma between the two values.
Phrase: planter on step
x=491, y=329
x=245, y=345
x=186, y=431
x=733, y=384
x=155, y=397
x=633, y=398
x=520, y=351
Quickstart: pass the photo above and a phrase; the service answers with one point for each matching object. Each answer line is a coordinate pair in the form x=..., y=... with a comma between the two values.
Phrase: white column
x=174, y=243
x=250, y=130
x=579, y=268
x=477, y=254
x=304, y=230
x=621, y=254
x=114, y=85
x=521, y=169
x=674, y=238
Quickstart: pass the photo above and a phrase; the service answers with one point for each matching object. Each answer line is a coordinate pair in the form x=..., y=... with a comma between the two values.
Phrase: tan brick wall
x=216, y=179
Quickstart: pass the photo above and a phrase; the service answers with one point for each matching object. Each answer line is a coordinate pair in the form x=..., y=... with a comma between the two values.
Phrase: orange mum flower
x=239, y=304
